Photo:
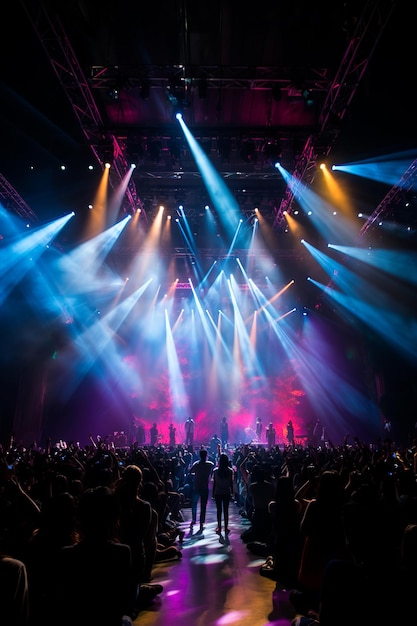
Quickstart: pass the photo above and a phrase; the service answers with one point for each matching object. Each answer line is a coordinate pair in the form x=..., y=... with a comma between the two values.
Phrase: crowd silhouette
x=337, y=524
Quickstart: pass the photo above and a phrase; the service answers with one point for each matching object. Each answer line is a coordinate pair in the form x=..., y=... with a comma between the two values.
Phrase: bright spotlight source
x=322, y=166
x=178, y=116
x=133, y=166
x=107, y=165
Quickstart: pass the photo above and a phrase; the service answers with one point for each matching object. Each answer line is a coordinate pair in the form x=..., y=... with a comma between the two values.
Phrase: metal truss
x=11, y=199
x=393, y=197
x=343, y=88
x=215, y=77
x=74, y=83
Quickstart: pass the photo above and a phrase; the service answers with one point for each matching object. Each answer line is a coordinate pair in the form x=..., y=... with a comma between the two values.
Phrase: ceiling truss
x=339, y=93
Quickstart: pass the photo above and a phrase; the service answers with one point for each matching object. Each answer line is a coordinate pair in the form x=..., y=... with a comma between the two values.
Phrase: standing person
x=224, y=432
x=189, y=432
x=93, y=581
x=135, y=529
x=154, y=434
x=223, y=478
x=387, y=429
x=14, y=591
x=172, y=431
x=290, y=433
x=271, y=435
x=258, y=429
x=201, y=472
x=215, y=447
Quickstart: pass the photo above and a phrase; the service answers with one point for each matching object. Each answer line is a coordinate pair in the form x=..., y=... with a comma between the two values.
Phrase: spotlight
x=308, y=97
x=272, y=152
x=114, y=94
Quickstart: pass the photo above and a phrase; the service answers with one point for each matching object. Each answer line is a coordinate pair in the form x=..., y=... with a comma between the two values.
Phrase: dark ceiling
x=88, y=82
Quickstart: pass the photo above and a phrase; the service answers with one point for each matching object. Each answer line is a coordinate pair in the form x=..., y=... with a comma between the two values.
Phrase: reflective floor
x=216, y=583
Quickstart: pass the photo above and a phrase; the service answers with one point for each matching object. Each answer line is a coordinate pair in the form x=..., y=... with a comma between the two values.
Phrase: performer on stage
x=153, y=431
x=271, y=435
x=258, y=429
x=224, y=433
x=189, y=432
x=290, y=433
x=172, y=431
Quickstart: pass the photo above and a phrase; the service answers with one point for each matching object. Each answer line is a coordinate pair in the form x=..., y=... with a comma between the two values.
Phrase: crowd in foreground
x=82, y=527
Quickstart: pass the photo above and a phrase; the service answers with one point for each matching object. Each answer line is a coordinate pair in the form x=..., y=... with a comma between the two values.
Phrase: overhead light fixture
x=308, y=97
x=272, y=151
x=114, y=94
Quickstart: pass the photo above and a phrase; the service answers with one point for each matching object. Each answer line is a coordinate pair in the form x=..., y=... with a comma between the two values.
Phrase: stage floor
x=216, y=583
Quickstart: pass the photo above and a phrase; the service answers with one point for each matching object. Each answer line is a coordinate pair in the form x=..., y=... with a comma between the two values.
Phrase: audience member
x=223, y=476
x=14, y=594
x=201, y=472
x=260, y=493
x=56, y=529
x=137, y=529
x=323, y=539
x=93, y=581
x=285, y=511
